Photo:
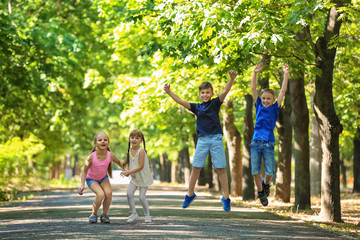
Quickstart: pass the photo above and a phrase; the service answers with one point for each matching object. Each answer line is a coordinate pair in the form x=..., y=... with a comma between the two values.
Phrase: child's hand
x=258, y=67
x=125, y=173
x=167, y=88
x=286, y=69
x=232, y=74
x=81, y=190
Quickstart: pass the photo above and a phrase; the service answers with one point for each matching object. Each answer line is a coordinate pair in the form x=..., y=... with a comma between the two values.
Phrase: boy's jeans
x=263, y=149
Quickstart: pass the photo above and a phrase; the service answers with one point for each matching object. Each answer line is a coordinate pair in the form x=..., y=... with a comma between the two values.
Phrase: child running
x=141, y=177
x=262, y=144
x=94, y=172
x=210, y=138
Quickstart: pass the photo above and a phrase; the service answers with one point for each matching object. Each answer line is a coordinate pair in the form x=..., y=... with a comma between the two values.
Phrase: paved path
x=63, y=214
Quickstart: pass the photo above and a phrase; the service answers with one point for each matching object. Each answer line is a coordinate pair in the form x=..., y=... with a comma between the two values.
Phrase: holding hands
x=125, y=173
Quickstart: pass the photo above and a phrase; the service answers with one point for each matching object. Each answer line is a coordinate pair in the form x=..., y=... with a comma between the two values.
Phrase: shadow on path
x=63, y=214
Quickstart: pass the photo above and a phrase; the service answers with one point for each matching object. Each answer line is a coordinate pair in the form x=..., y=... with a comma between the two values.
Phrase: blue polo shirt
x=265, y=121
x=207, y=117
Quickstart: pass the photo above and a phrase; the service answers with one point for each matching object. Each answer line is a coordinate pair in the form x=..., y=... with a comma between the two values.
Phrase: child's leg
x=268, y=155
x=267, y=179
x=223, y=181
x=195, y=173
x=257, y=179
x=144, y=203
x=130, y=196
x=106, y=186
x=100, y=194
x=255, y=158
x=201, y=152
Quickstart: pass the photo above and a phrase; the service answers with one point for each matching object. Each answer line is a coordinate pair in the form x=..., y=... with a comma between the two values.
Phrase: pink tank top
x=98, y=169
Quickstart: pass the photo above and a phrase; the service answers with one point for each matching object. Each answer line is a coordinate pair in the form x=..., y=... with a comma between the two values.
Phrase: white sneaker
x=132, y=217
x=148, y=219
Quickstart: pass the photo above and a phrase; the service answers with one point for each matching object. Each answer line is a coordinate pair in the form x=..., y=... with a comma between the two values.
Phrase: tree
x=300, y=124
x=284, y=128
x=248, y=180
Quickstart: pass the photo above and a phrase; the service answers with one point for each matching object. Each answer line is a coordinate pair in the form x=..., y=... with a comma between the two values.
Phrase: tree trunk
x=300, y=123
x=183, y=171
x=284, y=129
x=174, y=177
x=263, y=81
x=356, y=188
x=343, y=172
x=315, y=153
x=330, y=127
x=165, y=168
x=248, y=180
x=233, y=141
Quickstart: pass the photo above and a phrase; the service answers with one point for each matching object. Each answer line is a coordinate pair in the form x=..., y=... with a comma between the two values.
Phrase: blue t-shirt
x=265, y=121
x=207, y=113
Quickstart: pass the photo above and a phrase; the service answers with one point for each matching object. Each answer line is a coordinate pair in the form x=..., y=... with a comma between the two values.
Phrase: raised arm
x=176, y=97
x=284, y=84
x=83, y=174
x=257, y=69
x=228, y=86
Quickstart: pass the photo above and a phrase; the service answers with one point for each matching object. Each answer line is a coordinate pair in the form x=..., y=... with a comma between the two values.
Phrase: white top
x=143, y=178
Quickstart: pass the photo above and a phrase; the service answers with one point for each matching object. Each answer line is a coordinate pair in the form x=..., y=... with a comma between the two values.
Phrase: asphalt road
x=63, y=214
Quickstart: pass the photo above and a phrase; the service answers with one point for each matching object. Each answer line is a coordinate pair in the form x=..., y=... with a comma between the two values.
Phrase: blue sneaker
x=188, y=200
x=226, y=203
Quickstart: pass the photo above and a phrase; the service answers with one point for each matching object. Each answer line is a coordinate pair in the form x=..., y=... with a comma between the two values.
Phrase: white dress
x=143, y=178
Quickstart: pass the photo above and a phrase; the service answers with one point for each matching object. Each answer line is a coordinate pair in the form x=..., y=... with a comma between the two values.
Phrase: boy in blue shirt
x=210, y=138
x=262, y=144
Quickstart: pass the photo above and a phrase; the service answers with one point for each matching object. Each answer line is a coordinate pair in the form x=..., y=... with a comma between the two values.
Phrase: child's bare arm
x=176, y=97
x=257, y=69
x=228, y=86
x=116, y=160
x=284, y=84
x=83, y=174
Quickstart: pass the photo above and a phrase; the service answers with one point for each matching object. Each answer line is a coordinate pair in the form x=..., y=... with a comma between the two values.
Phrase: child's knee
x=108, y=195
x=142, y=199
x=100, y=195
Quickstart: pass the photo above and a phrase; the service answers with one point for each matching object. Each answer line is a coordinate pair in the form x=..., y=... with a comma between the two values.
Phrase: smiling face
x=135, y=139
x=206, y=94
x=101, y=141
x=267, y=99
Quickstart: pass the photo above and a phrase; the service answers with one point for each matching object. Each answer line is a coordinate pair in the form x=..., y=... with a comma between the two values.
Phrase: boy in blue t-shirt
x=262, y=144
x=210, y=138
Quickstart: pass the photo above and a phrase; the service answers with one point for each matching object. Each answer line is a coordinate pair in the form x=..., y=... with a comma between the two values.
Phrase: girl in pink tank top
x=95, y=173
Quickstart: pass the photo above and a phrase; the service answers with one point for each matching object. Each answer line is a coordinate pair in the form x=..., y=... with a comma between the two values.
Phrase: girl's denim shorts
x=89, y=181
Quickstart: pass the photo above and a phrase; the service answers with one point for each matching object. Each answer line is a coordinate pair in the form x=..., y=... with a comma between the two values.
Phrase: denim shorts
x=89, y=181
x=263, y=149
x=213, y=144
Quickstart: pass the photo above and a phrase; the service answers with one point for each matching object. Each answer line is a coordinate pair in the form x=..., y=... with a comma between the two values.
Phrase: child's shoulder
x=90, y=157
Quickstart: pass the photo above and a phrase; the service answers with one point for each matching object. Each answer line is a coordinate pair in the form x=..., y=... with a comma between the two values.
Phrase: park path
x=63, y=214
